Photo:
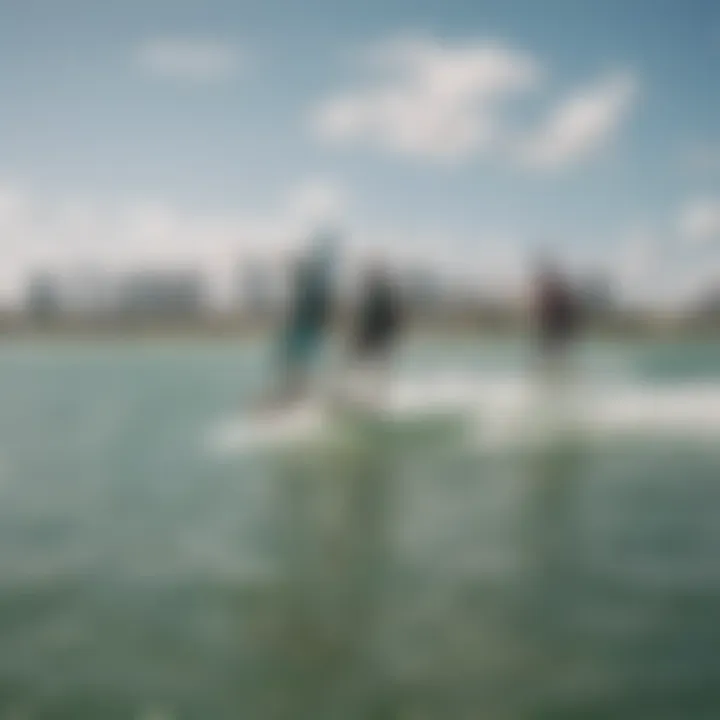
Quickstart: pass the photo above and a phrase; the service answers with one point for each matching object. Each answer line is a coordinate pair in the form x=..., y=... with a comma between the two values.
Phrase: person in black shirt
x=378, y=318
x=302, y=337
x=557, y=313
x=377, y=325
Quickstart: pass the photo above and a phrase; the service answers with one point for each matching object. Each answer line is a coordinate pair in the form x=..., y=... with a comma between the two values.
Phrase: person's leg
x=293, y=367
x=376, y=371
x=381, y=375
x=360, y=377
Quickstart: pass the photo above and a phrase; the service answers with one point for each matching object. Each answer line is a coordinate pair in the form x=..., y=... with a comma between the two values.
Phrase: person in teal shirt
x=310, y=312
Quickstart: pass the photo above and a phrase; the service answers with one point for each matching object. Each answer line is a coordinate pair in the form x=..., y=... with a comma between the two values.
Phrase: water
x=143, y=576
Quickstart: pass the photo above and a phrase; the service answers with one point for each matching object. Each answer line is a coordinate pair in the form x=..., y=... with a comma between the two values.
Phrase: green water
x=142, y=576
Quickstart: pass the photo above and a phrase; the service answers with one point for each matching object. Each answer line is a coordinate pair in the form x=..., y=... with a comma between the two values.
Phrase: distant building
x=160, y=294
x=87, y=291
x=43, y=297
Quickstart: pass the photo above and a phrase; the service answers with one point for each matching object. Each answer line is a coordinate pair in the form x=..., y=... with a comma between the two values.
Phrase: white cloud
x=582, y=125
x=448, y=101
x=699, y=221
x=636, y=264
x=429, y=99
x=189, y=59
x=672, y=264
x=82, y=238
x=649, y=271
x=317, y=201
x=66, y=236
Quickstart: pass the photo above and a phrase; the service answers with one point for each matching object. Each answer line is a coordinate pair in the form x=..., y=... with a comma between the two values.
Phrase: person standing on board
x=377, y=325
x=557, y=315
x=309, y=315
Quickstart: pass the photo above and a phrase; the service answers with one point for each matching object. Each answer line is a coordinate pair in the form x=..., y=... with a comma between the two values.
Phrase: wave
x=498, y=409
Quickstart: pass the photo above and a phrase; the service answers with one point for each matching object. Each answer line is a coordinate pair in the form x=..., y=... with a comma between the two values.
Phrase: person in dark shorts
x=309, y=315
x=378, y=317
x=377, y=326
x=557, y=315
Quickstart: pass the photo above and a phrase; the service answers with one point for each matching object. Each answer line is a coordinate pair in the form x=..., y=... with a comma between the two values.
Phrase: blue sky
x=464, y=131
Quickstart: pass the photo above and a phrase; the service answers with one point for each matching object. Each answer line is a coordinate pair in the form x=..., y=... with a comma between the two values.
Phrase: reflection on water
x=554, y=583
x=333, y=523
x=532, y=629
x=335, y=518
x=391, y=577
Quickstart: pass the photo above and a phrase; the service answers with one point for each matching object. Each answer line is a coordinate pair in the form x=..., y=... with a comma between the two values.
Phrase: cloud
x=637, y=258
x=430, y=99
x=699, y=221
x=582, y=125
x=194, y=60
x=649, y=269
x=76, y=238
x=64, y=236
x=317, y=201
x=445, y=101
x=676, y=261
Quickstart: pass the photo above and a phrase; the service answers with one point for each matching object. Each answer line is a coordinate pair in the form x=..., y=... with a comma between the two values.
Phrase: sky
x=467, y=135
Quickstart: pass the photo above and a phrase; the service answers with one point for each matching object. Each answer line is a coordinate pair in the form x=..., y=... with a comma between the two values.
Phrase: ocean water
x=149, y=573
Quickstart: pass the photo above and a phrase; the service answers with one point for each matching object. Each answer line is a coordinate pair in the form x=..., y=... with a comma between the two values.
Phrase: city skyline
x=464, y=135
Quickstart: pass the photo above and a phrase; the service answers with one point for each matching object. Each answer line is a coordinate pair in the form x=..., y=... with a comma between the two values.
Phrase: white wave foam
x=289, y=427
x=501, y=410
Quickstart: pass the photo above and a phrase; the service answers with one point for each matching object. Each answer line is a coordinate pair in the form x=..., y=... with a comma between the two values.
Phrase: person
x=301, y=339
x=556, y=314
x=377, y=326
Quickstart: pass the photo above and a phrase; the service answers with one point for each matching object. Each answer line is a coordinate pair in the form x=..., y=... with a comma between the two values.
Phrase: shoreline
x=213, y=335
